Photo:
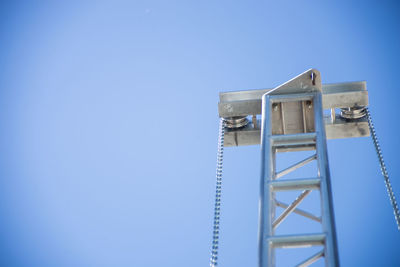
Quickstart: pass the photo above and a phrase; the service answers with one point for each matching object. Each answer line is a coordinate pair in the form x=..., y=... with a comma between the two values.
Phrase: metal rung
x=296, y=241
x=288, y=140
x=295, y=184
x=295, y=166
x=311, y=259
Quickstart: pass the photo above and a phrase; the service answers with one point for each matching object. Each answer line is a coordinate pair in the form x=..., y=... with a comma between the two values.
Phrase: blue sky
x=108, y=113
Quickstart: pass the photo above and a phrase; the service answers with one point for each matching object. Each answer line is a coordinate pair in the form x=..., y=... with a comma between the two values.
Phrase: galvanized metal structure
x=334, y=96
x=293, y=120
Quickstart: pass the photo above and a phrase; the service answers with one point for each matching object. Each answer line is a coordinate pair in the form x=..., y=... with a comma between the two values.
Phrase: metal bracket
x=334, y=96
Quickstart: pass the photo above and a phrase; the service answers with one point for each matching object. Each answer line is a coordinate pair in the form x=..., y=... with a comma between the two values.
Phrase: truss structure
x=292, y=119
x=279, y=134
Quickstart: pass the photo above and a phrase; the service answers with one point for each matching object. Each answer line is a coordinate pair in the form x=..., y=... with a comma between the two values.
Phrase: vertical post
x=328, y=220
x=266, y=205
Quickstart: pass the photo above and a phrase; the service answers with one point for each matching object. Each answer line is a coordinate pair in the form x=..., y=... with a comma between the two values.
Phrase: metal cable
x=217, y=207
x=383, y=169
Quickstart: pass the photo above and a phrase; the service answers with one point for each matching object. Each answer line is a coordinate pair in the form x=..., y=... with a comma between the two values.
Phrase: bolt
x=309, y=104
x=275, y=107
x=313, y=75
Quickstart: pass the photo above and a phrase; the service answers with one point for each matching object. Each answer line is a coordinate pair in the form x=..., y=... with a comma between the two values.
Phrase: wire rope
x=218, y=188
x=383, y=169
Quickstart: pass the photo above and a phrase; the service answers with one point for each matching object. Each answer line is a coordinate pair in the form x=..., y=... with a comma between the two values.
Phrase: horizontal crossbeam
x=289, y=140
x=294, y=184
x=338, y=95
x=339, y=128
x=297, y=241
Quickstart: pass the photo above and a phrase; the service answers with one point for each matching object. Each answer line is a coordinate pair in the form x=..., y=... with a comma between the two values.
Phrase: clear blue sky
x=108, y=115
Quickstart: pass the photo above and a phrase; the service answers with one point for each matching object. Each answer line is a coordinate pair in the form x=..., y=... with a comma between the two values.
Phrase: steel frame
x=294, y=128
x=336, y=95
x=270, y=184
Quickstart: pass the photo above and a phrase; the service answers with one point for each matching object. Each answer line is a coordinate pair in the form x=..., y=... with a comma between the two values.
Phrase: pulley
x=236, y=122
x=353, y=113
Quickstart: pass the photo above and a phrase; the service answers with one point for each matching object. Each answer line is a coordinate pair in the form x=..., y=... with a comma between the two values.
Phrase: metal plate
x=340, y=128
x=337, y=95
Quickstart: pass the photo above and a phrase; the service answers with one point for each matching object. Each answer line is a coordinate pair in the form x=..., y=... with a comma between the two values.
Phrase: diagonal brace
x=290, y=208
x=299, y=211
x=296, y=166
x=311, y=259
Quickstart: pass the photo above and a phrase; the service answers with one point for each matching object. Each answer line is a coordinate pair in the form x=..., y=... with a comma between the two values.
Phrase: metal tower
x=292, y=119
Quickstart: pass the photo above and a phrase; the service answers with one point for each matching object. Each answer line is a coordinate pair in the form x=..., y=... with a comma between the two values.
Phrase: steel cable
x=383, y=169
x=217, y=207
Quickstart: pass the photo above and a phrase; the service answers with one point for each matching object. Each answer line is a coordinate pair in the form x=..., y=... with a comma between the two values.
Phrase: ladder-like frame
x=293, y=120
x=313, y=137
